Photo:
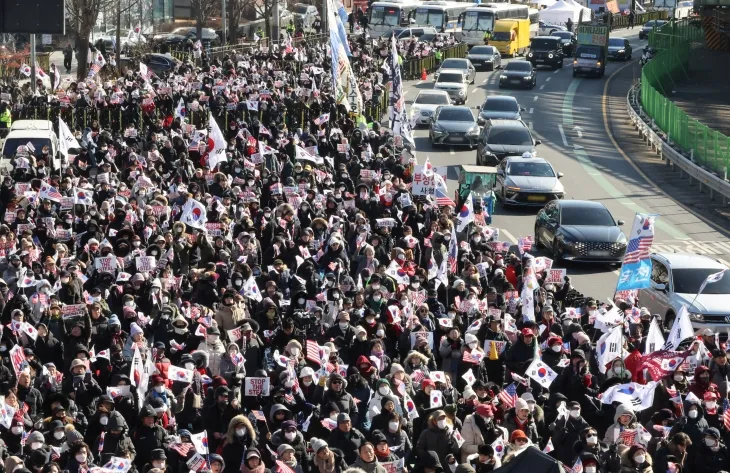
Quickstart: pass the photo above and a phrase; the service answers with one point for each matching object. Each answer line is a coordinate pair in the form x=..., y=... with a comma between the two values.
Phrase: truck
x=511, y=37
x=590, y=54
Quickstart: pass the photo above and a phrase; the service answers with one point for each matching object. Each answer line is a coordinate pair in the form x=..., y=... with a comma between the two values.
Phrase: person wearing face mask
x=239, y=437
x=567, y=431
x=80, y=458
x=554, y=353
x=590, y=445
x=720, y=370
x=471, y=360
x=576, y=381
x=479, y=429
x=623, y=419
x=522, y=351
x=451, y=350
x=158, y=462
x=232, y=366
x=289, y=435
x=160, y=391
x=214, y=348
x=636, y=460
x=116, y=439
x=437, y=437
x=148, y=435
x=520, y=418
x=702, y=382
x=229, y=314
x=692, y=423
x=382, y=391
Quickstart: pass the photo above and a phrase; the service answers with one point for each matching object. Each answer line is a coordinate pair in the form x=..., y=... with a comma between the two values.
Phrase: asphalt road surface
x=567, y=114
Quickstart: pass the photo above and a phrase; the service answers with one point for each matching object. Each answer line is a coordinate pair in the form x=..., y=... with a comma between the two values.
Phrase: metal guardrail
x=671, y=153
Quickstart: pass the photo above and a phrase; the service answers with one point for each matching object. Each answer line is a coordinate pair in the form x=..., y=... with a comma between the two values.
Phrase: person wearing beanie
x=518, y=442
x=636, y=460
x=485, y=461
x=83, y=385
x=214, y=348
x=711, y=455
x=289, y=435
x=387, y=407
x=382, y=390
x=136, y=335
x=554, y=354
x=382, y=450
x=326, y=459
x=480, y=429
x=452, y=349
x=251, y=462
x=346, y=438
x=437, y=436
x=520, y=418
x=287, y=454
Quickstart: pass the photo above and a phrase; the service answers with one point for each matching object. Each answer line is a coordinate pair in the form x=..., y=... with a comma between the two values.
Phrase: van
x=511, y=37
x=415, y=32
x=39, y=133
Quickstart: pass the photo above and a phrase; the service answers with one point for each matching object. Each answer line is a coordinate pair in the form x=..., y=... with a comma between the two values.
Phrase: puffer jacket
x=215, y=352
x=343, y=399
x=373, y=467
x=434, y=439
x=233, y=446
x=474, y=437
x=629, y=466
x=228, y=318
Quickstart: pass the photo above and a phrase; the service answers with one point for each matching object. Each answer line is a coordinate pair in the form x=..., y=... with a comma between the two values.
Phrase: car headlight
x=512, y=188
x=621, y=51
x=530, y=55
x=462, y=92
x=527, y=78
x=473, y=131
x=415, y=111
x=438, y=128
x=503, y=77
x=696, y=317
x=550, y=56
x=621, y=238
x=566, y=238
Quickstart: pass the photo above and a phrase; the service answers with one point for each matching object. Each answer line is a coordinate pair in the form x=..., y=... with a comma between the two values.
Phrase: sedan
x=454, y=83
x=499, y=106
x=454, y=126
x=426, y=103
x=527, y=181
x=463, y=65
x=649, y=27
x=619, y=49
x=568, y=41
x=486, y=56
x=581, y=231
x=160, y=63
x=518, y=74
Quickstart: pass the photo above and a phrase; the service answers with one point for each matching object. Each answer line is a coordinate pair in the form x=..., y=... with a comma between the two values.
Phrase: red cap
x=517, y=434
x=427, y=382
x=485, y=410
x=553, y=340
x=526, y=332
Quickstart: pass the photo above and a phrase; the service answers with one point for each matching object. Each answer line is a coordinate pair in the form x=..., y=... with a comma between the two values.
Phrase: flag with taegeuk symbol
x=473, y=357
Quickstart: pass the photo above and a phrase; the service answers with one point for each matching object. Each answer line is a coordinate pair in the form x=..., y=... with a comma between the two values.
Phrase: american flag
x=182, y=448
x=473, y=357
x=418, y=298
x=99, y=62
x=638, y=249
x=453, y=254
x=508, y=396
x=525, y=244
x=237, y=359
x=417, y=376
x=628, y=437
x=101, y=441
x=726, y=414
x=578, y=467
x=672, y=392
x=289, y=398
x=313, y=352
x=634, y=315
x=442, y=200
x=283, y=467
x=24, y=437
x=259, y=415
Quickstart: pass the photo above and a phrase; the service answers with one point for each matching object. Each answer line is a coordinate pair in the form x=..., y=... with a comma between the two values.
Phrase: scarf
x=258, y=469
x=325, y=466
x=384, y=454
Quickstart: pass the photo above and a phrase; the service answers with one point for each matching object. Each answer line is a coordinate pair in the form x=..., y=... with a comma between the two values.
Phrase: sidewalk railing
x=622, y=21
x=412, y=68
x=707, y=147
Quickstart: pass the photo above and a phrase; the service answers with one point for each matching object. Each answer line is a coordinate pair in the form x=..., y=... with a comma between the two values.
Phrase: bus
x=386, y=16
x=480, y=19
x=444, y=16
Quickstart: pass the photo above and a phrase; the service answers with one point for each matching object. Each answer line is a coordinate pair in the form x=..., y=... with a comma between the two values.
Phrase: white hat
x=306, y=371
x=134, y=329
x=470, y=337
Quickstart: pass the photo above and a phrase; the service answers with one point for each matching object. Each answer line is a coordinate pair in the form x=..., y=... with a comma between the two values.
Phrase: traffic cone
x=493, y=355
x=424, y=76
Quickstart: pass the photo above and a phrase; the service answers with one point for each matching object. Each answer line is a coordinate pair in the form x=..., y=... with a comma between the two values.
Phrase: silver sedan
x=463, y=65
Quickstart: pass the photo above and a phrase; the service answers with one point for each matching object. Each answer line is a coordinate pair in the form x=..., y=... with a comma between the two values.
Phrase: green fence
x=412, y=68
x=674, y=42
x=622, y=21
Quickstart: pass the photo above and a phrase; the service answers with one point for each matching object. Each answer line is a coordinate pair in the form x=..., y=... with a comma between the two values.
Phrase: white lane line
x=542, y=87
x=451, y=151
x=531, y=110
x=508, y=235
x=616, y=272
x=420, y=82
x=474, y=90
x=529, y=125
x=405, y=92
x=556, y=71
x=485, y=80
x=562, y=135
x=535, y=99
x=547, y=79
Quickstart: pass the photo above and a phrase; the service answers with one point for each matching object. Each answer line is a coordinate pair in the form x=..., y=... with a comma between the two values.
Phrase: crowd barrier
x=412, y=68
x=674, y=41
x=622, y=21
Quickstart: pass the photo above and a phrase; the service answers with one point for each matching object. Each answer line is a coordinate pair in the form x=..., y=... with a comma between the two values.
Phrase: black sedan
x=184, y=37
x=581, y=231
x=619, y=49
x=160, y=63
x=568, y=41
x=518, y=74
x=649, y=26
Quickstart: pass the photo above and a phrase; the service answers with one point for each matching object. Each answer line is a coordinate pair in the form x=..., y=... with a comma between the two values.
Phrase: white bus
x=386, y=16
x=481, y=18
x=442, y=15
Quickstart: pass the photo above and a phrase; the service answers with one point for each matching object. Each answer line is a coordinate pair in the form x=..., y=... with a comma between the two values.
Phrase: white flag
x=303, y=154
x=466, y=215
x=437, y=399
x=67, y=140
x=180, y=374
x=681, y=329
x=712, y=278
x=194, y=214
x=396, y=272
x=528, y=303
x=541, y=373
x=218, y=155
x=609, y=347
x=201, y=442
x=654, y=340
x=549, y=446
x=251, y=290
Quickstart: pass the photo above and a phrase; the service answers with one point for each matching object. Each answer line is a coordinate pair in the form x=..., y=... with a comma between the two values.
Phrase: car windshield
x=450, y=77
x=616, y=42
x=456, y=115
x=11, y=145
x=453, y=64
x=427, y=37
x=593, y=216
x=501, y=36
x=689, y=280
x=180, y=31
x=542, y=44
x=563, y=34
x=432, y=99
x=518, y=66
x=485, y=50
x=511, y=136
x=530, y=169
x=501, y=105
x=301, y=9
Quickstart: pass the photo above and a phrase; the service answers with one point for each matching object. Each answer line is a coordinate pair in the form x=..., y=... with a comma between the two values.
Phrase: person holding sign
x=438, y=438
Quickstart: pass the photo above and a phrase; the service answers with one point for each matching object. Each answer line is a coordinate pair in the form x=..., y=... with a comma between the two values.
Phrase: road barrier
x=412, y=68
x=683, y=142
x=707, y=147
x=622, y=21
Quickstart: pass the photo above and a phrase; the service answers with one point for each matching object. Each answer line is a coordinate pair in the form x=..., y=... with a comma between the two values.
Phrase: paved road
x=567, y=114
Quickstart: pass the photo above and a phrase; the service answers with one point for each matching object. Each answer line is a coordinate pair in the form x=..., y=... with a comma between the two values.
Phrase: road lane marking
x=556, y=71
x=529, y=125
x=405, y=92
x=451, y=151
x=562, y=135
x=531, y=110
x=548, y=79
x=542, y=87
x=535, y=99
x=474, y=89
x=508, y=235
x=568, y=102
x=604, y=105
x=420, y=82
x=485, y=80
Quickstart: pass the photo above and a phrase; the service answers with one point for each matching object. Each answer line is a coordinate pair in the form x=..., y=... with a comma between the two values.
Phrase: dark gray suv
x=546, y=51
x=501, y=138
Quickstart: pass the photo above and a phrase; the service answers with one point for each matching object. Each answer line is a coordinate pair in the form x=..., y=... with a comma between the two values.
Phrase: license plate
x=457, y=139
x=514, y=81
x=540, y=60
x=600, y=253
x=536, y=198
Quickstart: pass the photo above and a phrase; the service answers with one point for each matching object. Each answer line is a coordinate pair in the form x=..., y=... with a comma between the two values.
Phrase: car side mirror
x=522, y=109
x=659, y=287
x=620, y=222
x=560, y=175
x=538, y=142
x=500, y=172
x=480, y=122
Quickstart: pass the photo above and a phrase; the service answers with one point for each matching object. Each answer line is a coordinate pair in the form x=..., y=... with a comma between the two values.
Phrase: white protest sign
x=256, y=387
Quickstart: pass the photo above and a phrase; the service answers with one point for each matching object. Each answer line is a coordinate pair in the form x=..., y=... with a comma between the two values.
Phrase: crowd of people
x=304, y=313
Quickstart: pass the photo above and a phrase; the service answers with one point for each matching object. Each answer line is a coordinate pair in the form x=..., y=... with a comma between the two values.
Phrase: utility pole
x=223, y=20
x=277, y=22
x=325, y=18
x=32, y=63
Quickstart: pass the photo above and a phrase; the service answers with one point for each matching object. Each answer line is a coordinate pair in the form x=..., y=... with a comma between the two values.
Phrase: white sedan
x=426, y=104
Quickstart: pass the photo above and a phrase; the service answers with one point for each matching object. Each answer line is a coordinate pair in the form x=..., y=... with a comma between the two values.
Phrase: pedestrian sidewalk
x=647, y=161
x=57, y=59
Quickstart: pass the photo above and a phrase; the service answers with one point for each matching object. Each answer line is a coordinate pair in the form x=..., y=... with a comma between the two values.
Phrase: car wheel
x=557, y=254
x=629, y=58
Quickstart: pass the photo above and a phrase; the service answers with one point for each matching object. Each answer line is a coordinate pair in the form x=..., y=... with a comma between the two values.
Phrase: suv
x=546, y=51
x=37, y=132
x=179, y=37
x=454, y=82
x=460, y=64
x=502, y=138
x=676, y=279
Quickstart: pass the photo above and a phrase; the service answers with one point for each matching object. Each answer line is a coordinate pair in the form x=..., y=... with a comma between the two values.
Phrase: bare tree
x=236, y=10
x=202, y=10
x=265, y=9
x=83, y=15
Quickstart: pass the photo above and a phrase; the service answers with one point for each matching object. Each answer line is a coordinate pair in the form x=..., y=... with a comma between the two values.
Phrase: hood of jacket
x=623, y=409
x=279, y=407
x=239, y=419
